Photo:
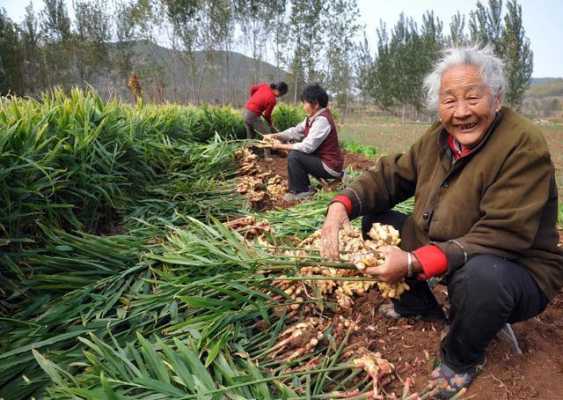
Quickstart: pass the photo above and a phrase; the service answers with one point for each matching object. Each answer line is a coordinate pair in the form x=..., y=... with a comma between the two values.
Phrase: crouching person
x=317, y=151
x=484, y=218
x=259, y=108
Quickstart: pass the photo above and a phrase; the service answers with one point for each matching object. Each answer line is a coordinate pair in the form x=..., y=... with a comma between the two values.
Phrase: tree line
x=393, y=76
x=312, y=40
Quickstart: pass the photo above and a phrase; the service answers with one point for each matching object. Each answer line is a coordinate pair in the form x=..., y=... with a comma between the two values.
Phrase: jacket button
x=426, y=215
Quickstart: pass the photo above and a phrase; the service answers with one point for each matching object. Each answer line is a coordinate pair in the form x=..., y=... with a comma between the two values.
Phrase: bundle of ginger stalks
x=342, y=284
x=311, y=326
x=267, y=142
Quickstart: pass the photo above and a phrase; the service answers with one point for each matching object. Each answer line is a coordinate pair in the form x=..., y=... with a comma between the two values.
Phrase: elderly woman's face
x=467, y=106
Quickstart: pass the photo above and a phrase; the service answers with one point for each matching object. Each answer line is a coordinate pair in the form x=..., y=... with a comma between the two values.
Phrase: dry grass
x=390, y=135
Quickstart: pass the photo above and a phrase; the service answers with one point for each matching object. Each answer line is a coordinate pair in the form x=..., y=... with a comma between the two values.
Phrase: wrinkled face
x=310, y=109
x=467, y=106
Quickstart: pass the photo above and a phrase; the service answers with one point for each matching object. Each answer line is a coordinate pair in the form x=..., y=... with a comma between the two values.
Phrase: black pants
x=254, y=123
x=299, y=166
x=484, y=294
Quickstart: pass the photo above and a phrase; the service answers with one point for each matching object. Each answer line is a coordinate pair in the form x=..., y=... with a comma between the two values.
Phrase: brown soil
x=278, y=163
x=412, y=345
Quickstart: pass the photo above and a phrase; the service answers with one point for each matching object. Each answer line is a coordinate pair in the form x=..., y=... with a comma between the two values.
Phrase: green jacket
x=501, y=199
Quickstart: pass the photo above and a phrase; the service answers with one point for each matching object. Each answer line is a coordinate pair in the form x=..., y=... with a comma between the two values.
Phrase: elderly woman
x=484, y=218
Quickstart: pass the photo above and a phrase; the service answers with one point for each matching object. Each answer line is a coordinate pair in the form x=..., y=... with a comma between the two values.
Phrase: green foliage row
x=287, y=115
x=161, y=312
x=77, y=161
x=354, y=147
x=152, y=314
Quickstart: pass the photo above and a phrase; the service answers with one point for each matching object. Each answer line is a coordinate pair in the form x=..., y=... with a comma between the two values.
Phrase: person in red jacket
x=261, y=104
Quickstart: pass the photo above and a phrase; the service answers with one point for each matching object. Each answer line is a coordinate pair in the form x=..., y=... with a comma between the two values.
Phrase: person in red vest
x=263, y=98
x=317, y=151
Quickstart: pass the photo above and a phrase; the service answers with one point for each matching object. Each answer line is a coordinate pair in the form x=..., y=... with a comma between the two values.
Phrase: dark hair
x=280, y=87
x=315, y=94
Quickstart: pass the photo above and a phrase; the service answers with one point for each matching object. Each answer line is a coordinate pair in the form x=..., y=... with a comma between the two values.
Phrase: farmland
x=135, y=265
x=127, y=273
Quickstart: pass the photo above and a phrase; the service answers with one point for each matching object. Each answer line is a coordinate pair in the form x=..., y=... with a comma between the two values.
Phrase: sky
x=543, y=22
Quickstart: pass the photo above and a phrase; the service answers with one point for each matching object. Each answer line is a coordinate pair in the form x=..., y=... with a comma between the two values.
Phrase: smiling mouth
x=467, y=127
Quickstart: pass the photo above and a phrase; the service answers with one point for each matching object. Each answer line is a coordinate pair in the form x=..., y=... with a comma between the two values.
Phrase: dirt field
x=412, y=345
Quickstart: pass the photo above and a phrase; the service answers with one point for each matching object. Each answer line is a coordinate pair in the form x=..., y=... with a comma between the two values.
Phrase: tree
x=306, y=34
x=280, y=33
x=363, y=67
x=518, y=55
x=57, y=41
x=185, y=20
x=56, y=22
x=485, y=25
x=509, y=43
x=11, y=57
x=402, y=61
x=342, y=17
x=34, y=69
x=93, y=34
x=382, y=77
x=221, y=29
x=216, y=18
x=255, y=19
x=457, y=31
x=431, y=41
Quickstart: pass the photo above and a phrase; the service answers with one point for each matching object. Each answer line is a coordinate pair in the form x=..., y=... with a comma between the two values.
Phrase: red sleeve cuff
x=342, y=199
x=433, y=261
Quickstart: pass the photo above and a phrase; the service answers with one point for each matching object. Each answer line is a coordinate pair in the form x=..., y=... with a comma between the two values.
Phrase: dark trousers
x=484, y=294
x=299, y=166
x=254, y=123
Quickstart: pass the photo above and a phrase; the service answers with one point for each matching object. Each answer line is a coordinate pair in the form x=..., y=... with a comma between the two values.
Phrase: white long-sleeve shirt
x=318, y=132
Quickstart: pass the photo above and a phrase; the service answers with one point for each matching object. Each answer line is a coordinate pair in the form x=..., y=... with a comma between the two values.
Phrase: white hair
x=490, y=66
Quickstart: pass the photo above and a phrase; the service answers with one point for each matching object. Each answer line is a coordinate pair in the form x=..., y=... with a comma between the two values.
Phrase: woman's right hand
x=336, y=218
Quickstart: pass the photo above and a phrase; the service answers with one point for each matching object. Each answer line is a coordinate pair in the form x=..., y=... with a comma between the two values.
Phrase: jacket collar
x=315, y=115
x=443, y=137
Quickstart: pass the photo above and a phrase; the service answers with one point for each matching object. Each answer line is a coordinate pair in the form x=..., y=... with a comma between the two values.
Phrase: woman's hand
x=282, y=146
x=336, y=218
x=394, y=268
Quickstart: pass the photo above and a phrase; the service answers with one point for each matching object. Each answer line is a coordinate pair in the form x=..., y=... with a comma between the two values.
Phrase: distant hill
x=544, y=98
x=167, y=74
x=546, y=87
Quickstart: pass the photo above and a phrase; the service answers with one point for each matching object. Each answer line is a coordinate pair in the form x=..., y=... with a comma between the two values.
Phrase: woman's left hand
x=394, y=268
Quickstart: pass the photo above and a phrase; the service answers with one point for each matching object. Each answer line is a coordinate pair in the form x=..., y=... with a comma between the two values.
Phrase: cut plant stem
x=321, y=278
x=264, y=380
